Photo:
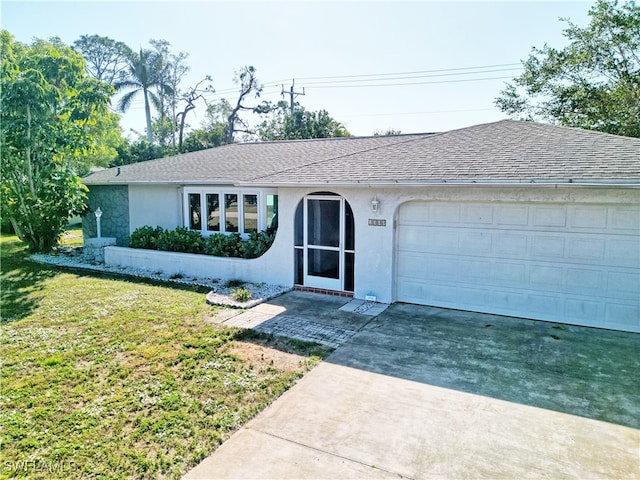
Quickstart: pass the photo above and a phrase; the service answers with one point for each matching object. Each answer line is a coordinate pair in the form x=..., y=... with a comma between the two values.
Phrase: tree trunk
x=147, y=111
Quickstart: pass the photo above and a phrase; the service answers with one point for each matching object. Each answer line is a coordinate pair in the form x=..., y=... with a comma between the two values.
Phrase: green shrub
x=191, y=241
x=145, y=237
x=241, y=295
x=180, y=240
x=257, y=244
x=221, y=245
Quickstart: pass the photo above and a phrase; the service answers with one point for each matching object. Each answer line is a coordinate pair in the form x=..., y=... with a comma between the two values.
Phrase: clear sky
x=355, y=59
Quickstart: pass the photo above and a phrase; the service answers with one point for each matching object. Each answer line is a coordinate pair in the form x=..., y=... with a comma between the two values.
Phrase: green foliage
x=211, y=135
x=222, y=245
x=191, y=241
x=143, y=76
x=593, y=83
x=180, y=240
x=145, y=237
x=47, y=111
x=138, y=151
x=301, y=124
x=106, y=59
x=257, y=244
x=241, y=295
x=233, y=283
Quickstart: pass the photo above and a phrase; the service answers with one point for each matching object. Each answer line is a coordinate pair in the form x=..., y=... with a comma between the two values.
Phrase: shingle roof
x=504, y=151
x=241, y=162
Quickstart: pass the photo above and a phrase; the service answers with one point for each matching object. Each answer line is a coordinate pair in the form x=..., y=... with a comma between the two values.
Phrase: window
x=227, y=211
x=213, y=212
x=194, y=212
x=272, y=213
x=250, y=213
x=231, y=212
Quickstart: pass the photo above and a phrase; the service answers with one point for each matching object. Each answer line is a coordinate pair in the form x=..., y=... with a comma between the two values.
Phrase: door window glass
x=324, y=263
x=323, y=223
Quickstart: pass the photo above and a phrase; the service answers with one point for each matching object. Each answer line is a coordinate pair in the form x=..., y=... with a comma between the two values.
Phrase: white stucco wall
x=154, y=205
x=374, y=245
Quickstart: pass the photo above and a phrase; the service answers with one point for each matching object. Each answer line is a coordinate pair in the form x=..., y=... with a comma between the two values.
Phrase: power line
x=412, y=73
x=411, y=83
x=410, y=77
x=467, y=110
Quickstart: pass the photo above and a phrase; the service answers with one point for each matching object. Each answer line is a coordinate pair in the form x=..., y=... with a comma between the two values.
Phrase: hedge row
x=189, y=241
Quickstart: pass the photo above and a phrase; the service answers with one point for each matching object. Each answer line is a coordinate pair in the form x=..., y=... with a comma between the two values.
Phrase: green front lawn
x=107, y=377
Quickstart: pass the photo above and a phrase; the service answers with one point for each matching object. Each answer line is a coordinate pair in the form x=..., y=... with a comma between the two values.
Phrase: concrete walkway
x=421, y=392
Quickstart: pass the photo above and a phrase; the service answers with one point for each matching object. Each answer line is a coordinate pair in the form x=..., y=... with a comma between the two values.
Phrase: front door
x=323, y=241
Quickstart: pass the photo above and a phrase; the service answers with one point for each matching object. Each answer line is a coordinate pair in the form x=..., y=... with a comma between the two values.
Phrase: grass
x=107, y=377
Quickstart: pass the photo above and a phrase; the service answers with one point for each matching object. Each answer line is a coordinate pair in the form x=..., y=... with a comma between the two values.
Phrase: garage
x=571, y=263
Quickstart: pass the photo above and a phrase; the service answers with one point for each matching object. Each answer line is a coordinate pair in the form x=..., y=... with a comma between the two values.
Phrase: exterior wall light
x=98, y=213
x=375, y=205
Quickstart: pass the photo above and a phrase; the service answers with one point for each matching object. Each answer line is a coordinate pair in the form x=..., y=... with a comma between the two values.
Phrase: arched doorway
x=324, y=242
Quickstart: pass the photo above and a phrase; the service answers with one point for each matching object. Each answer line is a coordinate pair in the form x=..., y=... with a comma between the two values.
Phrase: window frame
x=261, y=197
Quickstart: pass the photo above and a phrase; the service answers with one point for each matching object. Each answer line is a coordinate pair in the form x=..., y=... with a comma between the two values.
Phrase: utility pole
x=292, y=94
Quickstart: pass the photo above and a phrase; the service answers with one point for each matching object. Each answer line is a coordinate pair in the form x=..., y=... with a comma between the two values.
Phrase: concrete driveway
x=420, y=392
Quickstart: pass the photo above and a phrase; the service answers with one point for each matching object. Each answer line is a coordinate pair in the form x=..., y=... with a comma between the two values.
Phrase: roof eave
x=456, y=182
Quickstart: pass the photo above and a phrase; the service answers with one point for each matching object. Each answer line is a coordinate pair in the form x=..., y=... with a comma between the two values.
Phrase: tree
x=143, y=76
x=106, y=59
x=47, y=107
x=190, y=97
x=171, y=69
x=388, y=131
x=300, y=124
x=592, y=83
x=214, y=130
x=249, y=83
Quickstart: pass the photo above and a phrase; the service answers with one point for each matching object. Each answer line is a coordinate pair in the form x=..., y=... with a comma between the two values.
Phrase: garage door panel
x=477, y=215
x=623, y=285
x=588, y=217
x=512, y=215
x=625, y=219
x=476, y=242
x=413, y=266
x=584, y=311
x=546, y=277
x=567, y=263
x=544, y=304
x=510, y=244
x=619, y=313
x=548, y=247
x=586, y=248
x=549, y=216
x=445, y=213
x=624, y=252
x=506, y=273
x=583, y=280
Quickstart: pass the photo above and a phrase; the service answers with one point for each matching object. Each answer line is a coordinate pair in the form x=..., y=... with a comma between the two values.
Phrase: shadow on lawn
x=20, y=281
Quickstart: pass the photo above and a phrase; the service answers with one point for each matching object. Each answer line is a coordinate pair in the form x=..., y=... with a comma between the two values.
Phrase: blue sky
x=362, y=43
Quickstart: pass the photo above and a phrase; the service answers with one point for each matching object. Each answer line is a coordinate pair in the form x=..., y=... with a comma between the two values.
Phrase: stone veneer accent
x=113, y=200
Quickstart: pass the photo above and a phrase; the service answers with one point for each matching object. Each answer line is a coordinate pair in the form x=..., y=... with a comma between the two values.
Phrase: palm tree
x=143, y=75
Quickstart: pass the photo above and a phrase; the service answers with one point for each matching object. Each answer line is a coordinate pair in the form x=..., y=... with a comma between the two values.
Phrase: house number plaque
x=377, y=222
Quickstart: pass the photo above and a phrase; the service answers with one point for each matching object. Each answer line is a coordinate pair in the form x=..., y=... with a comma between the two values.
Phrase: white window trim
x=221, y=191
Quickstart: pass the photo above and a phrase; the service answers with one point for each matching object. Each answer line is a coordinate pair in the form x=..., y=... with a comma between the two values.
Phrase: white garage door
x=570, y=263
